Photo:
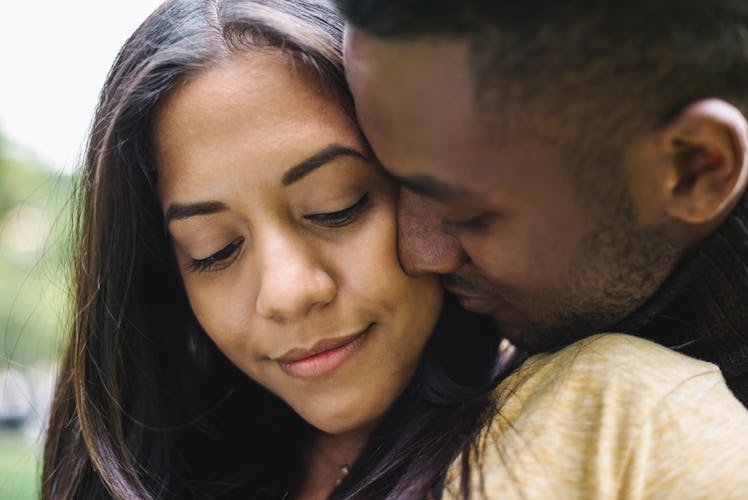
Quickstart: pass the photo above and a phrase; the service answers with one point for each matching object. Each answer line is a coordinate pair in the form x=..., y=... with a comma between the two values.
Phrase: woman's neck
x=327, y=461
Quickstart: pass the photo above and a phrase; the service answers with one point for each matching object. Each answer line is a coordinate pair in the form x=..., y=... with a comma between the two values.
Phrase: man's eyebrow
x=185, y=210
x=317, y=160
x=433, y=188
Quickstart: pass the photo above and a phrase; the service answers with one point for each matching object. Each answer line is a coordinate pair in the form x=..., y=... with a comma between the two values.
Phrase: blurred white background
x=54, y=56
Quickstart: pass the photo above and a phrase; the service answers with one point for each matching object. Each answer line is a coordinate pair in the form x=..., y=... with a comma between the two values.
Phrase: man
x=571, y=167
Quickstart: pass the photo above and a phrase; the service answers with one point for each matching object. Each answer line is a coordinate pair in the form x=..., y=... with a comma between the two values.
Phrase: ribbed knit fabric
x=702, y=309
x=610, y=417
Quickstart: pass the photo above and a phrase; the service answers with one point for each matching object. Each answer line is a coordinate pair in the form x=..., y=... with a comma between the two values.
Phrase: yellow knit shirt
x=612, y=416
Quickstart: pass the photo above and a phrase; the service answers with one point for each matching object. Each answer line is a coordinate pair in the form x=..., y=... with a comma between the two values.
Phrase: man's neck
x=702, y=309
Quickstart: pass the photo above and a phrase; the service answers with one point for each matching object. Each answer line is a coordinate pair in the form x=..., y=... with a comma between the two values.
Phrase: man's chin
x=508, y=323
x=514, y=326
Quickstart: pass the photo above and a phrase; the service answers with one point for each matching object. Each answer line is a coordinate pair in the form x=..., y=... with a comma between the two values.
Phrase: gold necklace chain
x=342, y=473
x=343, y=469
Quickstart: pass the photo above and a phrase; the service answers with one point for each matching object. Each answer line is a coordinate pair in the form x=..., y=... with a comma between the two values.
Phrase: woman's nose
x=293, y=281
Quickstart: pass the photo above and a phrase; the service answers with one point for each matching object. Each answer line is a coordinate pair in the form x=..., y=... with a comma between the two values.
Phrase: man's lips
x=477, y=305
x=473, y=302
x=323, y=357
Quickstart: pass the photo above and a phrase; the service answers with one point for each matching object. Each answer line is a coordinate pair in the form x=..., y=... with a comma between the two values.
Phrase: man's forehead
x=433, y=187
x=425, y=126
x=406, y=64
x=409, y=99
x=365, y=47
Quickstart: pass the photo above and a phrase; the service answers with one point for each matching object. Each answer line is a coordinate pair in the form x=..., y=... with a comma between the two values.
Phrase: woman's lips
x=323, y=358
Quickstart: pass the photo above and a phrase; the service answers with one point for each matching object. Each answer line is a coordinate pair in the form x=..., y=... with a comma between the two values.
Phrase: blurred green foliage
x=34, y=239
x=19, y=467
x=35, y=224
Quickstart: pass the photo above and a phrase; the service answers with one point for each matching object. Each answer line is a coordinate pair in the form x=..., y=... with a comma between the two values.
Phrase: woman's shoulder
x=610, y=416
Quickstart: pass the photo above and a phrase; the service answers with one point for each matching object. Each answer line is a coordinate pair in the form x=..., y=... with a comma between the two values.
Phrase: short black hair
x=413, y=17
x=613, y=68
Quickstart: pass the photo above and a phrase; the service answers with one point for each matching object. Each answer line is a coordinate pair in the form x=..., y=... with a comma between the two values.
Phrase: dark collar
x=702, y=309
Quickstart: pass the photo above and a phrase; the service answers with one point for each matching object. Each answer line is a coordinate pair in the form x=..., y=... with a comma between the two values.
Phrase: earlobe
x=707, y=149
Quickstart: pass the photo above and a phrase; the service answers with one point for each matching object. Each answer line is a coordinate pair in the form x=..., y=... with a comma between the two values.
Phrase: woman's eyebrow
x=317, y=160
x=186, y=210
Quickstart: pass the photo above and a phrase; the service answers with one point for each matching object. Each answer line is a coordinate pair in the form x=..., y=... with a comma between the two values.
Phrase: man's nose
x=293, y=280
x=423, y=246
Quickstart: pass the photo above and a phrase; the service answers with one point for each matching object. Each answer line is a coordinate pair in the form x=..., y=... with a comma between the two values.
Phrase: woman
x=243, y=328
x=225, y=162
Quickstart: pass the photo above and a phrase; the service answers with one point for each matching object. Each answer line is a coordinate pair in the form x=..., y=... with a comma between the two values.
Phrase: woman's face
x=284, y=233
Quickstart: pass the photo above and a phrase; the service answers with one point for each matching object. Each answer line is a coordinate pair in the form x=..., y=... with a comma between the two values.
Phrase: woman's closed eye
x=343, y=217
x=226, y=255
x=219, y=260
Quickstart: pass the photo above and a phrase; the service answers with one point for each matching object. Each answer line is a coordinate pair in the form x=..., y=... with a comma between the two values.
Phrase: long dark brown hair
x=145, y=405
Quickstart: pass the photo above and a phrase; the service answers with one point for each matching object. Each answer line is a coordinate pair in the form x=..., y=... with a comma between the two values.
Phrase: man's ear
x=707, y=150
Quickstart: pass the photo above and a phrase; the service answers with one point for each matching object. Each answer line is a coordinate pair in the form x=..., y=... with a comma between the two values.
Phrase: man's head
x=561, y=157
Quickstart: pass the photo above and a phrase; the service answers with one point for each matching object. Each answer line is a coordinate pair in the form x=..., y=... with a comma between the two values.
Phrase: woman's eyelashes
x=226, y=255
x=343, y=217
x=219, y=260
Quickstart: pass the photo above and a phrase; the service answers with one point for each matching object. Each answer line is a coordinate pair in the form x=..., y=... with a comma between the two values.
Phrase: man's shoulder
x=622, y=349
x=575, y=423
x=608, y=380
x=608, y=360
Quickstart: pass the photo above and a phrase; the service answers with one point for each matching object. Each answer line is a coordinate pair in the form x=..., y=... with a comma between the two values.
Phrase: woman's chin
x=342, y=423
